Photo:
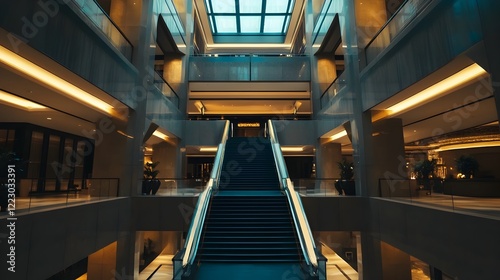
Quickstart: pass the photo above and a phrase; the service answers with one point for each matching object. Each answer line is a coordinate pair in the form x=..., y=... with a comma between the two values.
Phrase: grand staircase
x=249, y=232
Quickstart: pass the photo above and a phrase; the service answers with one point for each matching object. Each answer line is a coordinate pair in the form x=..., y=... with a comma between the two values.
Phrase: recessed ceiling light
x=49, y=119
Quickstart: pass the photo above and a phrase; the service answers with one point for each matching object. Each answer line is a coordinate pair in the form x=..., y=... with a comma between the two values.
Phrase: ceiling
x=243, y=26
x=250, y=21
x=446, y=118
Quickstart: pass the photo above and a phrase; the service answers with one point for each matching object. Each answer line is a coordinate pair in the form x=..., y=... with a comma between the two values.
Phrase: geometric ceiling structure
x=249, y=21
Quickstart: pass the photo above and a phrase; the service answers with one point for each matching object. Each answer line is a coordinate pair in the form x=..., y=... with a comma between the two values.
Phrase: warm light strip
x=460, y=78
x=160, y=135
x=38, y=73
x=469, y=146
x=125, y=134
x=339, y=135
x=248, y=46
x=208, y=149
x=292, y=149
x=18, y=101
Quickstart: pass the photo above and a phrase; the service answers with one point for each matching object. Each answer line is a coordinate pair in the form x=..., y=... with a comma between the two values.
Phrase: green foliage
x=467, y=165
x=346, y=169
x=150, y=171
x=425, y=169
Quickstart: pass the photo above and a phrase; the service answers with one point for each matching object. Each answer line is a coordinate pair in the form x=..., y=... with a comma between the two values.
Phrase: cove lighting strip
x=339, y=135
x=208, y=149
x=460, y=78
x=45, y=77
x=292, y=149
x=21, y=102
x=468, y=146
x=160, y=135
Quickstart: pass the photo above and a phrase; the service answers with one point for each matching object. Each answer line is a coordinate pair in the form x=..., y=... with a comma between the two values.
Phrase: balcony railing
x=101, y=20
x=166, y=89
x=335, y=87
x=473, y=196
x=30, y=197
x=403, y=16
x=218, y=68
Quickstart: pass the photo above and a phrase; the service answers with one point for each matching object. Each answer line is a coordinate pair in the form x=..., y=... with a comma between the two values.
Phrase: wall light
x=454, y=81
x=160, y=135
x=292, y=149
x=339, y=135
x=20, y=102
x=208, y=149
x=43, y=76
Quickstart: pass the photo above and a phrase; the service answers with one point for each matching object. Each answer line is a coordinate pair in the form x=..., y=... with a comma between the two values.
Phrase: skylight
x=246, y=21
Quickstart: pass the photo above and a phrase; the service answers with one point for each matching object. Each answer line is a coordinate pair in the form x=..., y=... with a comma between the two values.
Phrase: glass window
x=277, y=6
x=243, y=17
x=225, y=24
x=53, y=156
x=223, y=6
x=250, y=24
x=250, y=6
x=273, y=24
x=35, y=154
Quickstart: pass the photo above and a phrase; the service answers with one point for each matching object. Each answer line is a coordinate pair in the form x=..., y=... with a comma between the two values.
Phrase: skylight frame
x=242, y=33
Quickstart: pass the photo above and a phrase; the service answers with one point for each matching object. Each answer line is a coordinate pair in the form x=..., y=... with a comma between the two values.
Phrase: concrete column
x=369, y=257
x=327, y=156
x=388, y=153
x=166, y=153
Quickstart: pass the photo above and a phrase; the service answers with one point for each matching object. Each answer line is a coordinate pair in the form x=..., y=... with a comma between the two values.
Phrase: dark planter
x=338, y=187
x=155, y=186
x=348, y=187
x=146, y=187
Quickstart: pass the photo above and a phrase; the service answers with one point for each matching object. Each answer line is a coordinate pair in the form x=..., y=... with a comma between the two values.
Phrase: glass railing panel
x=406, y=13
x=40, y=194
x=280, y=68
x=177, y=187
x=174, y=24
x=196, y=227
x=219, y=68
x=166, y=89
x=317, y=186
x=249, y=68
x=479, y=197
x=333, y=90
x=101, y=20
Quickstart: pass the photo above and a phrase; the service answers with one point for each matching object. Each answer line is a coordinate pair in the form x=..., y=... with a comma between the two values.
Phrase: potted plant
x=346, y=182
x=424, y=171
x=467, y=165
x=150, y=183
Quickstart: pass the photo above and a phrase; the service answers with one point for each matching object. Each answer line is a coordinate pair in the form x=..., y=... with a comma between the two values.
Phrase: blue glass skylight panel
x=223, y=6
x=225, y=24
x=250, y=6
x=277, y=6
x=273, y=24
x=232, y=18
x=250, y=24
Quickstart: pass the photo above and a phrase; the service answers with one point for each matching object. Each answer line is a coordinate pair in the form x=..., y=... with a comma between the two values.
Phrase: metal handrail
x=196, y=227
x=300, y=220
